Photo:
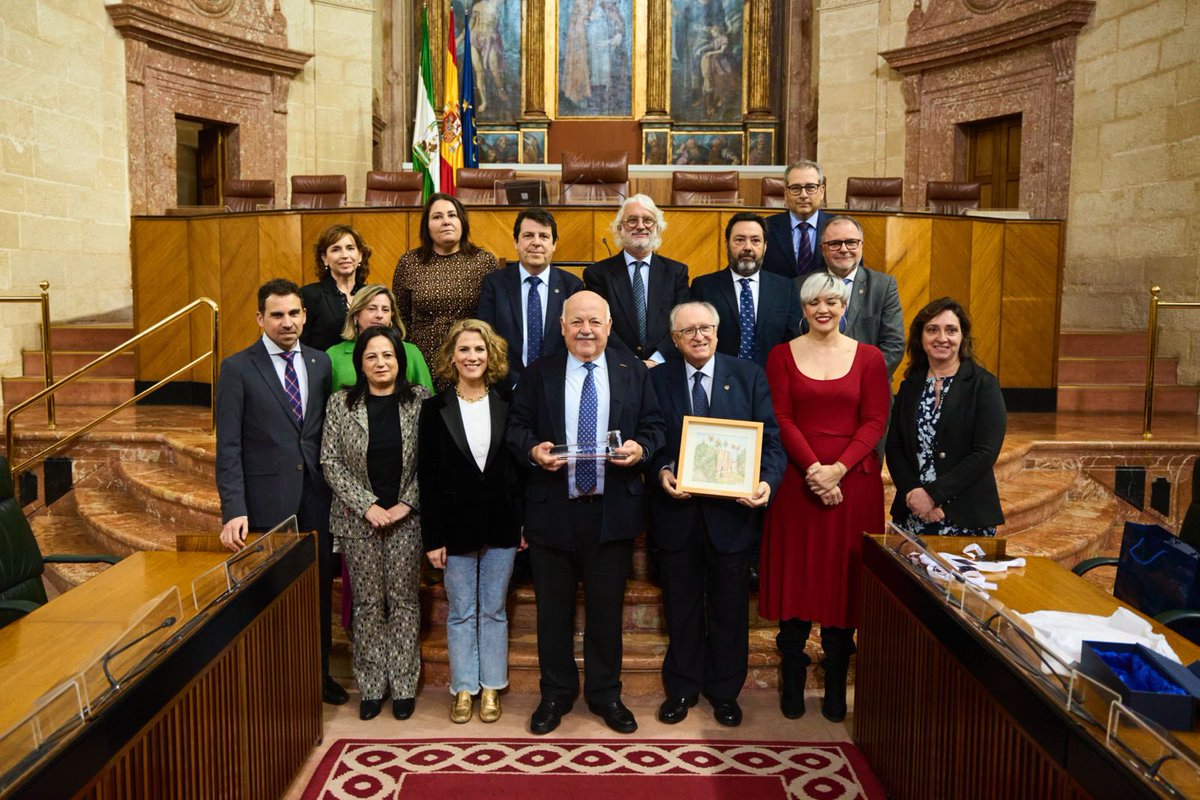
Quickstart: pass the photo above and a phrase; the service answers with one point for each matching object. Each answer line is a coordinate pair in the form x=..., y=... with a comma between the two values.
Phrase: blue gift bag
x=1157, y=571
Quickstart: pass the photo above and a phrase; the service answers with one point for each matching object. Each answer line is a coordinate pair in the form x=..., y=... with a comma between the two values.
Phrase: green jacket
x=341, y=356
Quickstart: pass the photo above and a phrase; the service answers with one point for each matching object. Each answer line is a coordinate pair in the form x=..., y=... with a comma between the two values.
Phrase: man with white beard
x=758, y=309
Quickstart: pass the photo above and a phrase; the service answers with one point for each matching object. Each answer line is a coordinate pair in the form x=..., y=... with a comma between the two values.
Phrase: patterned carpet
x=590, y=770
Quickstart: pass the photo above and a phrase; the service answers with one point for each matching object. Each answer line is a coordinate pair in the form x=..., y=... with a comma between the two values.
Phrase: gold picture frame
x=719, y=457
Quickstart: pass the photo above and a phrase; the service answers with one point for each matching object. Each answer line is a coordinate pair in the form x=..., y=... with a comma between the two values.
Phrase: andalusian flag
x=470, y=143
x=452, y=159
x=425, y=145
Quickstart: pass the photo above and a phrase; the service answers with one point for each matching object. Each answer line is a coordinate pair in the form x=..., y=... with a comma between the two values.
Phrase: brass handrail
x=1155, y=305
x=44, y=299
x=10, y=442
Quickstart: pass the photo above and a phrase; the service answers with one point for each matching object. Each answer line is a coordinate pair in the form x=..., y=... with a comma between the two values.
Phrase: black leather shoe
x=333, y=693
x=727, y=712
x=369, y=709
x=403, y=707
x=675, y=709
x=616, y=716
x=547, y=716
x=752, y=574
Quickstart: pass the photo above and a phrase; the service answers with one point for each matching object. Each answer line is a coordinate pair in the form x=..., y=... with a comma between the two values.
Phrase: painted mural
x=495, y=53
x=706, y=60
x=595, y=65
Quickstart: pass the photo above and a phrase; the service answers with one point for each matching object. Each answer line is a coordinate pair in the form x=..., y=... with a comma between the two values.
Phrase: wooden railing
x=51, y=388
x=1155, y=305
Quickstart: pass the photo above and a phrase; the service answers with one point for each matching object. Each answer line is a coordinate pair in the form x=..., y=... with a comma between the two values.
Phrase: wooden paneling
x=204, y=278
x=1005, y=271
x=160, y=287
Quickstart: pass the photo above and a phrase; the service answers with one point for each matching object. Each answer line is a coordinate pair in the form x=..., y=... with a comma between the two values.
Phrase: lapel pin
x=726, y=387
x=556, y=291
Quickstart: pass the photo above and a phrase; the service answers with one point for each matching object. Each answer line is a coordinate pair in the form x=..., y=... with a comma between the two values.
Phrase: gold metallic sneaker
x=489, y=705
x=460, y=709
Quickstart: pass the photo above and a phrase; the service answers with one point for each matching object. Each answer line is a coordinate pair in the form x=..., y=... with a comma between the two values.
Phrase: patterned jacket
x=344, y=459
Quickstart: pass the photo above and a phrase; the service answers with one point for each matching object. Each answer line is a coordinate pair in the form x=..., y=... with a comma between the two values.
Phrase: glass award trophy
x=588, y=450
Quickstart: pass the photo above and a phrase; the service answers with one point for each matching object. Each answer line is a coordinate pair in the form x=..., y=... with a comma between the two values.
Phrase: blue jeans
x=477, y=624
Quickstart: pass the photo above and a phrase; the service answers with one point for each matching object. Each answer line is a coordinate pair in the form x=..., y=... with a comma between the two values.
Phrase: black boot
x=793, y=668
x=836, y=643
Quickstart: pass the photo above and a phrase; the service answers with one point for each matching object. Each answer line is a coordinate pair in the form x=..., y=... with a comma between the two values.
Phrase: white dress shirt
x=543, y=294
x=737, y=288
x=280, y=365
x=630, y=261
x=477, y=422
x=812, y=232
x=706, y=382
x=576, y=373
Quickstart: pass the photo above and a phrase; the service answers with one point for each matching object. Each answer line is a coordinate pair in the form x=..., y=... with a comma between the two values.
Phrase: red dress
x=811, y=552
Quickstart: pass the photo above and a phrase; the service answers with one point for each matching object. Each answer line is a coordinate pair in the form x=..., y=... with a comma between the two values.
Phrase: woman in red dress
x=831, y=398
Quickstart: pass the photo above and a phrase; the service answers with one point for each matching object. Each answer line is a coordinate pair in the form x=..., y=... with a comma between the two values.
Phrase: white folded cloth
x=1063, y=632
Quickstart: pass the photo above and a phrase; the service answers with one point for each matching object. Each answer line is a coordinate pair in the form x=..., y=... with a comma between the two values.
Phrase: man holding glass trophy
x=586, y=421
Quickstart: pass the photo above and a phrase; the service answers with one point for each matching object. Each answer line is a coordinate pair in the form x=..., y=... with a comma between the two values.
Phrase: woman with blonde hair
x=470, y=517
x=374, y=305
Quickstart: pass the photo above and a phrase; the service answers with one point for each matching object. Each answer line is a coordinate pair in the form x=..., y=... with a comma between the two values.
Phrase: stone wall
x=1135, y=172
x=64, y=186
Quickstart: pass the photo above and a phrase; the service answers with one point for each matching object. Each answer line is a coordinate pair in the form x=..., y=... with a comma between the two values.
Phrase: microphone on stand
x=604, y=240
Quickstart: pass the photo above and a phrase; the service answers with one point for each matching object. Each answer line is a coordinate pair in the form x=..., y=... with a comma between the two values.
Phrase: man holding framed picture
x=705, y=541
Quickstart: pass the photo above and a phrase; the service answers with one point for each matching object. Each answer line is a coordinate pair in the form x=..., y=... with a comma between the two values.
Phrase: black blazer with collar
x=262, y=455
x=668, y=288
x=777, y=319
x=780, y=257
x=537, y=415
x=325, y=315
x=464, y=508
x=740, y=391
x=500, y=306
x=969, y=436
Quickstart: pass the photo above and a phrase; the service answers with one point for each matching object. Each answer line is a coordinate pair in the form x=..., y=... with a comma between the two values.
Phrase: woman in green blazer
x=374, y=305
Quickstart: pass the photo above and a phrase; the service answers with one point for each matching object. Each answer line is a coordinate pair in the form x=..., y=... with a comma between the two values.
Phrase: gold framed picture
x=719, y=457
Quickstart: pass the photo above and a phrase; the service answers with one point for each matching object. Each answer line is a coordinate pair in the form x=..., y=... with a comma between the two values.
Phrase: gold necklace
x=458, y=392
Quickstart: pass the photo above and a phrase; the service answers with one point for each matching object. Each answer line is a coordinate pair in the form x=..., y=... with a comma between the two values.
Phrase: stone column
x=658, y=26
x=399, y=83
x=759, y=61
x=533, y=61
x=797, y=105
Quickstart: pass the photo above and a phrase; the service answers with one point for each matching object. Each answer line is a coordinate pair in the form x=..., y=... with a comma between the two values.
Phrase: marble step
x=1028, y=498
x=1081, y=530
x=70, y=535
x=119, y=523
x=1105, y=370
x=83, y=392
x=1128, y=398
x=1008, y=464
x=67, y=361
x=88, y=336
x=194, y=453
x=1103, y=343
x=174, y=496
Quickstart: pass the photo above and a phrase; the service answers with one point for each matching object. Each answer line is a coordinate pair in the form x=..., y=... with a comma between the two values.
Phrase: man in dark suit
x=641, y=287
x=758, y=310
x=270, y=410
x=704, y=542
x=873, y=315
x=529, y=295
x=793, y=235
x=581, y=515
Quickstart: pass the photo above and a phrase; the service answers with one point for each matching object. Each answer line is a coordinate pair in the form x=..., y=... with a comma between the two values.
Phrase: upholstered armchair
x=951, y=197
x=772, y=193
x=318, y=191
x=595, y=177
x=874, y=194
x=395, y=188
x=477, y=187
x=247, y=195
x=688, y=188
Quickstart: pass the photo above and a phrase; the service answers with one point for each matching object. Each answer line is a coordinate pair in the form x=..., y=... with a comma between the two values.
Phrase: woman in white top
x=470, y=519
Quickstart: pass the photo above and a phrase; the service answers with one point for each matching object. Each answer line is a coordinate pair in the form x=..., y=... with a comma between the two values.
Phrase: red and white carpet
x=466, y=769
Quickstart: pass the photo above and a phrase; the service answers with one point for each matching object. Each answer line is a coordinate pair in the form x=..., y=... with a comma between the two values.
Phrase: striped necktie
x=291, y=385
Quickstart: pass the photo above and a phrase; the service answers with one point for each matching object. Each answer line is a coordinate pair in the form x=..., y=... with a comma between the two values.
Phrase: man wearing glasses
x=793, y=236
x=640, y=286
x=873, y=315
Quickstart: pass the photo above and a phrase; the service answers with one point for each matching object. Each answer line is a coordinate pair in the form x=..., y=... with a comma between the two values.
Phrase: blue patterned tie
x=639, y=302
x=533, y=320
x=585, y=433
x=699, y=398
x=846, y=310
x=746, y=321
x=291, y=385
x=804, y=251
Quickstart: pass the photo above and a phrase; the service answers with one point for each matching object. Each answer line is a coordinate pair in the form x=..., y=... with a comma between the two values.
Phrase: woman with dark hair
x=946, y=431
x=369, y=453
x=469, y=513
x=373, y=305
x=343, y=261
x=439, y=281
x=830, y=395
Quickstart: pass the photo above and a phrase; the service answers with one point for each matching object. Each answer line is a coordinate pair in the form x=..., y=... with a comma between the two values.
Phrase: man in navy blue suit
x=528, y=296
x=758, y=309
x=704, y=542
x=793, y=236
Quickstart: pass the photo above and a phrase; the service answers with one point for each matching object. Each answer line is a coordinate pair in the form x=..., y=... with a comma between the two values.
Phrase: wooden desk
x=940, y=713
x=231, y=711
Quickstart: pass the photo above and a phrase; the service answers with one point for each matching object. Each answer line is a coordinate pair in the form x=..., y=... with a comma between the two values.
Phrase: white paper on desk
x=1064, y=632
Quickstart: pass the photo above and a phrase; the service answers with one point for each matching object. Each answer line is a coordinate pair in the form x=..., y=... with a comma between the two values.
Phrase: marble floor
x=762, y=722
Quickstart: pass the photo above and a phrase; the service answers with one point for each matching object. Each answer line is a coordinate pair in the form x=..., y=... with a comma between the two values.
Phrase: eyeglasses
x=798, y=189
x=703, y=330
x=644, y=222
x=838, y=244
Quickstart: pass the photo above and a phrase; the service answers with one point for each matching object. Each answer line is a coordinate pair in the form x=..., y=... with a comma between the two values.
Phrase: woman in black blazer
x=343, y=260
x=470, y=519
x=946, y=431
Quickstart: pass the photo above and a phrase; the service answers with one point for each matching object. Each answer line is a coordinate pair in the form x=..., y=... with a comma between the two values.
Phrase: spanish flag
x=452, y=156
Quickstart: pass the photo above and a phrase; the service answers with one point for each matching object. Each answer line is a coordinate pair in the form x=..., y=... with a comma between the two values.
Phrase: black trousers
x=313, y=515
x=706, y=596
x=557, y=572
